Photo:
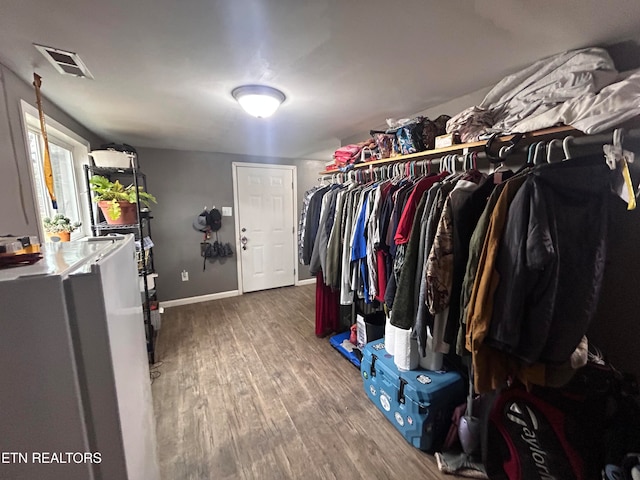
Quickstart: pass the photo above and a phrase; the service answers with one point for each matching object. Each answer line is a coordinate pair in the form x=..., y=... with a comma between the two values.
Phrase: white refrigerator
x=75, y=394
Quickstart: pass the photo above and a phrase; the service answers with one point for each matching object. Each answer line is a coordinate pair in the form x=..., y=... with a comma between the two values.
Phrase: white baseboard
x=308, y=281
x=200, y=298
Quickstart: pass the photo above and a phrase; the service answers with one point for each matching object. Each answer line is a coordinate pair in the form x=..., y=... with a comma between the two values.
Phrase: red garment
x=382, y=275
x=406, y=220
x=327, y=308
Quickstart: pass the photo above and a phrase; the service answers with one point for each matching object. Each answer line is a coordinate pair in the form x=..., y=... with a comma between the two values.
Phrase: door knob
x=243, y=241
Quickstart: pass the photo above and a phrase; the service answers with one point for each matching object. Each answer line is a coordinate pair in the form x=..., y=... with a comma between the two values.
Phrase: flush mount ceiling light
x=258, y=100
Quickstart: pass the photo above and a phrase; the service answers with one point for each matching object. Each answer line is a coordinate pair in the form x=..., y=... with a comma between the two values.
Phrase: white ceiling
x=164, y=69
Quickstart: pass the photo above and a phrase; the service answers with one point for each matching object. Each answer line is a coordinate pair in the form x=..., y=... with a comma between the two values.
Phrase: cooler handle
x=403, y=382
x=373, y=364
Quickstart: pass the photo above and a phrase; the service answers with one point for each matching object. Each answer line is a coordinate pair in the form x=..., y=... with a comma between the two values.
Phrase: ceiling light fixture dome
x=258, y=100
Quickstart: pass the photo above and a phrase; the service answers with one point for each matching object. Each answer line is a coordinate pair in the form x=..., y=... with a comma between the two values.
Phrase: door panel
x=265, y=211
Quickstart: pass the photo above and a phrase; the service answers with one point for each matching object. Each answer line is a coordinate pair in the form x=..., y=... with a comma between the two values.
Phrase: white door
x=266, y=223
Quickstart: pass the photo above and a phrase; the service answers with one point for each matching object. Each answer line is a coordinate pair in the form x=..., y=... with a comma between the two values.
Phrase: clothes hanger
x=451, y=168
x=529, y=161
x=501, y=168
x=530, y=153
x=469, y=161
x=397, y=174
x=553, y=147
x=539, y=153
x=506, y=150
x=565, y=146
x=455, y=159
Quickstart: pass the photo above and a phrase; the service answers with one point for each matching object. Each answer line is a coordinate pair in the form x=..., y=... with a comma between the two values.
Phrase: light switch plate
x=227, y=211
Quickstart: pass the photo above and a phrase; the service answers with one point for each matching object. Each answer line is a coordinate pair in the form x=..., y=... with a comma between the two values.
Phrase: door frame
x=236, y=216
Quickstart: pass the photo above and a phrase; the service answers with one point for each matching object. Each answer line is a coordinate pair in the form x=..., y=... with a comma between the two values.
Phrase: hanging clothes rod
x=603, y=138
x=631, y=138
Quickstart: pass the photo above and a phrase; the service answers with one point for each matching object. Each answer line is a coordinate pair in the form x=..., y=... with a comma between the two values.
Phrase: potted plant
x=117, y=202
x=59, y=228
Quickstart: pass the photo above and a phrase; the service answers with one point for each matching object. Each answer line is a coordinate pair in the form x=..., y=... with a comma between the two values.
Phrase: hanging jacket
x=346, y=293
x=325, y=224
x=489, y=365
x=424, y=318
x=476, y=245
x=302, y=224
x=334, y=247
x=312, y=221
x=404, y=307
x=551, y=261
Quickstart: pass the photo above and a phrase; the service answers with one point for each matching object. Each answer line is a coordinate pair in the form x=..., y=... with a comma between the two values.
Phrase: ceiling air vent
x=67, y=63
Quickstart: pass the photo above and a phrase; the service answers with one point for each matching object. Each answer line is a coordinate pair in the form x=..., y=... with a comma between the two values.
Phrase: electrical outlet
x=185, y=276
x=227, y=211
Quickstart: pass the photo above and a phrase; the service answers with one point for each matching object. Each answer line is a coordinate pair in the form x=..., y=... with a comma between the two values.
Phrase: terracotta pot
x=59, y=237
x=128, y=213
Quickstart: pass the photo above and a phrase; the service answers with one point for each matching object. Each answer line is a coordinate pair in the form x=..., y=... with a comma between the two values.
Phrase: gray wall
x=18, y=211
x=184, y=182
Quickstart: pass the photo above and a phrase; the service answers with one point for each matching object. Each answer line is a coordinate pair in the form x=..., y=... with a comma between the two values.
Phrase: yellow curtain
x=48, y=172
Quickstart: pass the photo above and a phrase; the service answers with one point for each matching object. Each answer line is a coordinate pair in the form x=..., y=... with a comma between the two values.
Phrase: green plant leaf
x=105, y=190
x=113, y=210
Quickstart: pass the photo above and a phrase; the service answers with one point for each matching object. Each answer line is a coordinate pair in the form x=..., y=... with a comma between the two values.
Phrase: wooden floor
x=248, y=392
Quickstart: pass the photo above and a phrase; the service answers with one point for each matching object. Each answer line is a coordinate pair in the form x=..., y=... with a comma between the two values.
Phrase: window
x=68, y=155
x=63, y=178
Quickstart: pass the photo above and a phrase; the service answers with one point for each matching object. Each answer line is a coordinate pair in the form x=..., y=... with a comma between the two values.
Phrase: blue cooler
x=419, y=403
